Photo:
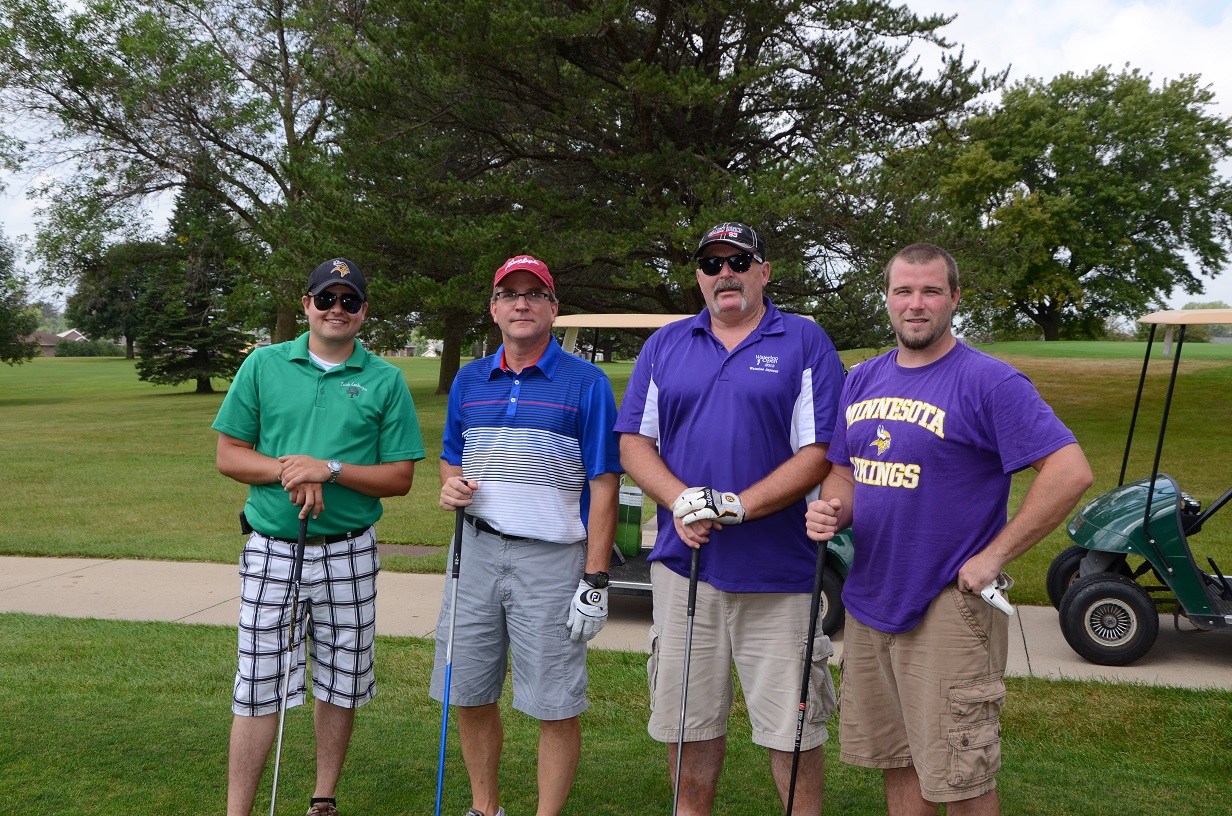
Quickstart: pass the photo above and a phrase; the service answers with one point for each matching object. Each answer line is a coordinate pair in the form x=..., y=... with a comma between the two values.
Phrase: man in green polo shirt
x=319, y=428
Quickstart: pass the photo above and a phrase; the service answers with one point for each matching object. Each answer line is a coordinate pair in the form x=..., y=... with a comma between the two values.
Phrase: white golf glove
x=589, y=612
x=702, y=503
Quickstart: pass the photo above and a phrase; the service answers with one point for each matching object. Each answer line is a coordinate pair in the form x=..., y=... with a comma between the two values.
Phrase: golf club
x=684, y=683
x=297, y=572
x=453, y=616
x=808, y=670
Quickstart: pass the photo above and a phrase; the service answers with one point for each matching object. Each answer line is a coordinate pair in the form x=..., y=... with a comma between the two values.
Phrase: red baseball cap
x=532, y=265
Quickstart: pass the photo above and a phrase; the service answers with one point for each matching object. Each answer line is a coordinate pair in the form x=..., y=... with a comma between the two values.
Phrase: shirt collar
x=546, y=363
x=299, y=351
x=771, y=321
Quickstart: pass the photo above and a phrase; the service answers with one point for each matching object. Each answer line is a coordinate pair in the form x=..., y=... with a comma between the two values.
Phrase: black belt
x=483, y=527
x=319, y=540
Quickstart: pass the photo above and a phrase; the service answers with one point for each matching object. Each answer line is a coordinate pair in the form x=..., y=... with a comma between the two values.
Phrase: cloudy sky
x=1036, y=38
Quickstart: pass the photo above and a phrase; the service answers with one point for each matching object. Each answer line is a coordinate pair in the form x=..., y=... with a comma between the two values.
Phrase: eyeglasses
x=713, y=264
x=533, y=298
x=326, y=300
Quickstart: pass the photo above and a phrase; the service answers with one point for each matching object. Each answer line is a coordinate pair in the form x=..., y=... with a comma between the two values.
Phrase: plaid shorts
x=337, y=616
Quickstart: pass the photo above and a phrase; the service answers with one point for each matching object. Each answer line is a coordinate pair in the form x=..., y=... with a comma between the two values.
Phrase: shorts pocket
x=977, y=700
x=974, y=732
x=822, y=700
x=652, y=664
x=975, y=753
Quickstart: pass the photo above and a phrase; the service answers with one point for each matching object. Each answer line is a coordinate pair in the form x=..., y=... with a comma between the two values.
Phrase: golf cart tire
x=1109, y=619
x=1064, y=571
x=833, y=613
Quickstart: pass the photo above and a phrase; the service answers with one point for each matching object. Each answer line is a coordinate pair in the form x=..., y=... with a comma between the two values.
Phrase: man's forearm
x=640, y=458
x=787, y=483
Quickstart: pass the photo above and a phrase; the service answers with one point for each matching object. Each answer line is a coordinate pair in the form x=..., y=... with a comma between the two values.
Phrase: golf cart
x=1131, y=550
x=630, y=571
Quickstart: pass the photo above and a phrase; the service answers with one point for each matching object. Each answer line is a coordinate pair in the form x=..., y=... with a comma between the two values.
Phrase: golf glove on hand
x=702, y=503
x=589, y=612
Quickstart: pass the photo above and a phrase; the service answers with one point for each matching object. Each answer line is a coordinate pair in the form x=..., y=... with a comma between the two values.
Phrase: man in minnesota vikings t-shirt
x=927, y=440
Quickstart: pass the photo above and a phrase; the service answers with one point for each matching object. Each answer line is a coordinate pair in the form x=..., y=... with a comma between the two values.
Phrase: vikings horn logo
x=341, y=268
x=882, y=441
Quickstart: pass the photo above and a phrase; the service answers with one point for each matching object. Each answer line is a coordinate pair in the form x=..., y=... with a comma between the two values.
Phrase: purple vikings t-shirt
x=726, y=420
x=931, y=451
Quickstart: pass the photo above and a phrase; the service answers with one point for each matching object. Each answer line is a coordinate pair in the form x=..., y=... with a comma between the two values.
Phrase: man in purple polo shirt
x=725, y=423
x=929, y=437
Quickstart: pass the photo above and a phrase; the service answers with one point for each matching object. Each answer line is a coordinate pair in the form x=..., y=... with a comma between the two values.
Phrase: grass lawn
x=116, y=717
x=104, y=465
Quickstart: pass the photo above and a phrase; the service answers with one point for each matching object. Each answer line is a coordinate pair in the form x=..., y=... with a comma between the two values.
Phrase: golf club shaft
x=297, y=574
x=684, y=682
x=453, y=616
x=806, y=674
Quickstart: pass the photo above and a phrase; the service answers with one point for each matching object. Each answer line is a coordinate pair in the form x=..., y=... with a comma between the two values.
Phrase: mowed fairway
x=103, y=717
x=103, y=465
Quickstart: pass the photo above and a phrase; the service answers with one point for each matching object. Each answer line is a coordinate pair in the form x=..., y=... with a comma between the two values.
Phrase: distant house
x=73, y=335
x=47, y=342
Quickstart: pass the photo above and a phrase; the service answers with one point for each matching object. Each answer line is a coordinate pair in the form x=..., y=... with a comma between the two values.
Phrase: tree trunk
x=451, y=350
x=1050, y=322
x=204, y=386
x=130, y=348
x=284, y=325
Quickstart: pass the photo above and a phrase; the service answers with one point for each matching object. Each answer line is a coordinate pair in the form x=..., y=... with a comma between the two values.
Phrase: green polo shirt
x=359, y=413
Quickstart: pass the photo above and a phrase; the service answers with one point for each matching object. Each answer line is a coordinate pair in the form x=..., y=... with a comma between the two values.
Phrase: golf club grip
x=297, y=569
x=693, y=564
x=457, y=543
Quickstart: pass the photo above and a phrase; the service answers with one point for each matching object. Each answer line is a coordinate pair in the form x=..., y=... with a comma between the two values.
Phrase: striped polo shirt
x=532, y=440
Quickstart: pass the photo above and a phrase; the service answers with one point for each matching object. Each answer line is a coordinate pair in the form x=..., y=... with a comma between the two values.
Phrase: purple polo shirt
x=726, y=420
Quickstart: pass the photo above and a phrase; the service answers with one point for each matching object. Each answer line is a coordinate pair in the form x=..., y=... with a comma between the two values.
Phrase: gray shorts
x=514, y=598
x=337, y=617
x=930, y=697
x=764, y=634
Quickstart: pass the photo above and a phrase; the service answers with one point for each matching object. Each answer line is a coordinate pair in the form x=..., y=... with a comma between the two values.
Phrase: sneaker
x=322, y=809
x=477, y=812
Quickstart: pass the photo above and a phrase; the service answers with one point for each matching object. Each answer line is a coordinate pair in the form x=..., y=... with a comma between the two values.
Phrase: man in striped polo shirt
x=530, y=453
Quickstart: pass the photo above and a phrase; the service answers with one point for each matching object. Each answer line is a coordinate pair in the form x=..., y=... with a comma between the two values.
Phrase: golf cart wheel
x=1063, y=572
x=1108, y=619
x=832, y=610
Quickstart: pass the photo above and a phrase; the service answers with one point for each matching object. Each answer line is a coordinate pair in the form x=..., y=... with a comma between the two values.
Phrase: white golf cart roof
x=572, y=323
x=1189, y=317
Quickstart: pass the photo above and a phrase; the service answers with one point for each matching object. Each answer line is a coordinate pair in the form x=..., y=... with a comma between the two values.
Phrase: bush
x=87, y=348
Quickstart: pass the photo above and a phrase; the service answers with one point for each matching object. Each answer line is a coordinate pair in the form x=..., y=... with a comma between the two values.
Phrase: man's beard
x=920, y=342
x=728, y=285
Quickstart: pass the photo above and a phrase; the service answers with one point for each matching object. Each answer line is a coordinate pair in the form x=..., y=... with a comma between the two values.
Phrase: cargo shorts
x=929, y=697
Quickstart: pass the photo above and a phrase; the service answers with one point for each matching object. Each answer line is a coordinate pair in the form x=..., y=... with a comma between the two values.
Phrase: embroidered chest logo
x=882, y=442
x=353, y=389
x=765, y=362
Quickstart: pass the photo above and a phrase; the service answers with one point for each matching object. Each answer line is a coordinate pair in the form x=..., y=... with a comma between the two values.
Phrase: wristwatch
x=335, y=470
x=598, y=580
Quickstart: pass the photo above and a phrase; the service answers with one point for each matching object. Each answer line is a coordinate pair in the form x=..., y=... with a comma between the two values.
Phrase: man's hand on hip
x=705, y=503
x=589, y=612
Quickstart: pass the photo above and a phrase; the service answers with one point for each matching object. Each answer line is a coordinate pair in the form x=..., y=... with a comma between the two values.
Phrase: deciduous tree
x=1083, y=198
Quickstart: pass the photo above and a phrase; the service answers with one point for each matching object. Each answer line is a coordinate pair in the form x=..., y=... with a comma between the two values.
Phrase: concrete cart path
x=408, y=604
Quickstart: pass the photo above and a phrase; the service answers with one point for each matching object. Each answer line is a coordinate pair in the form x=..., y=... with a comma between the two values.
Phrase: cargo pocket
x=822, y=700
x=652, y=664
x=974, y=734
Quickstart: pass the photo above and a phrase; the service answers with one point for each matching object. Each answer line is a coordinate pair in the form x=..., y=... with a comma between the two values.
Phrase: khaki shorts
x=764, y=634
x=930, y=697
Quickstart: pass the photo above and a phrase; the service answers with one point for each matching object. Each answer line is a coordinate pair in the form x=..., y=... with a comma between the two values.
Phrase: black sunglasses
x=713, y=264
x=326, y=300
